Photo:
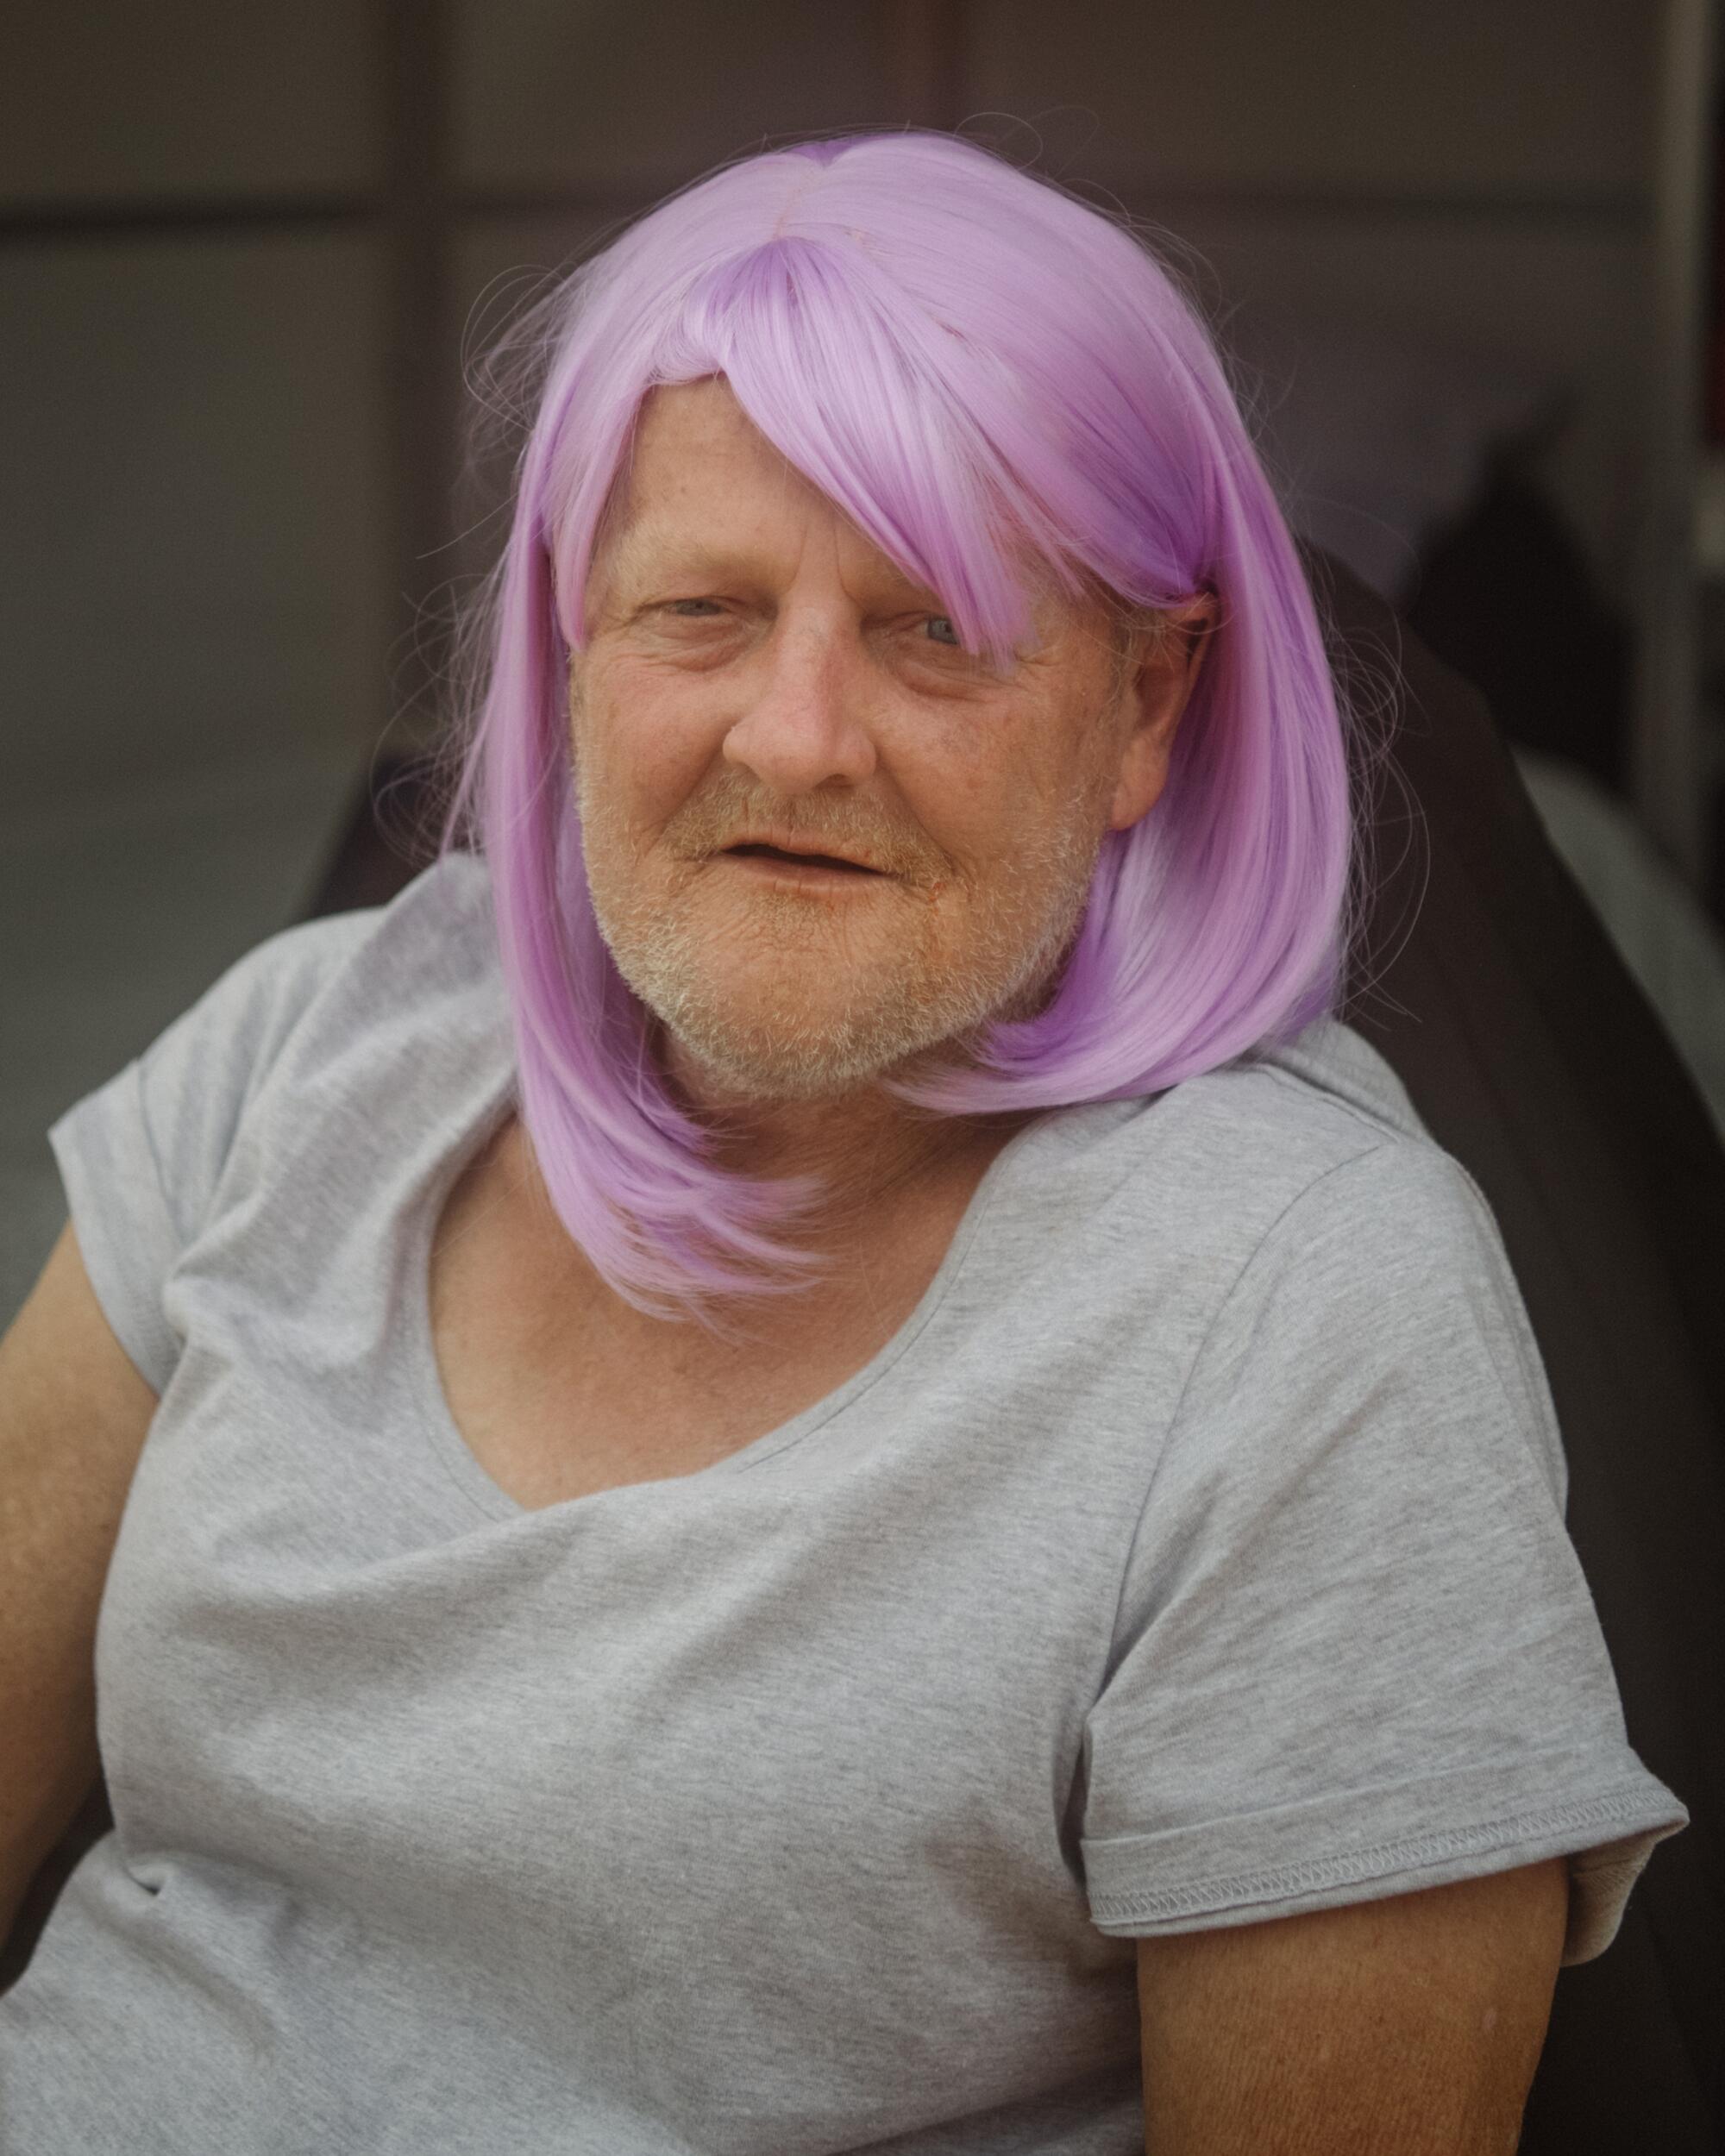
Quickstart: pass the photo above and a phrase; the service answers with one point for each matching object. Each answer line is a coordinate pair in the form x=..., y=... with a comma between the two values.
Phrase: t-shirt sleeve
x=1356, y=1654
x=142, y=1158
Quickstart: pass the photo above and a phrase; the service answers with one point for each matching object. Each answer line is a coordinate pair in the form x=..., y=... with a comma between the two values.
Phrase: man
x=1150, y=1503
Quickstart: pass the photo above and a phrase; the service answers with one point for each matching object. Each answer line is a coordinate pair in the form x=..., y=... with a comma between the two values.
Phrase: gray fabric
x=1193, y=1555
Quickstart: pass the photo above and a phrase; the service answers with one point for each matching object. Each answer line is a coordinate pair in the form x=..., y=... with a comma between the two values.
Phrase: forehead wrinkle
x=739, y=441
x=650, y=549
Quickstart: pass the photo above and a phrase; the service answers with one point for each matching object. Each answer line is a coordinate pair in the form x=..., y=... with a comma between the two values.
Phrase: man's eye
x=942, y=620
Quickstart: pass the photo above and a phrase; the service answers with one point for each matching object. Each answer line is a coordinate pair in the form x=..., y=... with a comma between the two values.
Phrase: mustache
x=719, y=818
x=730, y=805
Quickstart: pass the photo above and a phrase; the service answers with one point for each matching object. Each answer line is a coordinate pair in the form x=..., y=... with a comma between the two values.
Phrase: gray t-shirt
x=1193, y=1555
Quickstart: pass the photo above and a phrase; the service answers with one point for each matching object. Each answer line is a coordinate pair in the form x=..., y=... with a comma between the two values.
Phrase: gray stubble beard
x=665, y=959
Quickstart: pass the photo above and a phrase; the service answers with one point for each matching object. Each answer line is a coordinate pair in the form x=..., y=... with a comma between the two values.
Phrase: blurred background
x=1464, y=256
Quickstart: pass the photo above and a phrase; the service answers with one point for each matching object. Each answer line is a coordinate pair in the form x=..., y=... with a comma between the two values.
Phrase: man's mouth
x=801, y=860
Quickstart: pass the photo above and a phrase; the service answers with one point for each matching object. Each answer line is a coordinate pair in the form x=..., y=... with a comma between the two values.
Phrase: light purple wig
x=980, y=370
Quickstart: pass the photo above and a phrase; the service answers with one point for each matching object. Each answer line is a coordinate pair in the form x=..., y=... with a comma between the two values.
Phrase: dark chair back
x=1533, y=1056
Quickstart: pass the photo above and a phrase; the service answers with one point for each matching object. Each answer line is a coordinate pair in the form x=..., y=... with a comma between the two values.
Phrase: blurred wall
x=197, y=276
x=241, y=248
x=194, y=502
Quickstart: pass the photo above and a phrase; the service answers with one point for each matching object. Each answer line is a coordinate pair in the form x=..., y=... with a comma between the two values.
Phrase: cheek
x=959, y=778
x=984, y=797
x=640, y=761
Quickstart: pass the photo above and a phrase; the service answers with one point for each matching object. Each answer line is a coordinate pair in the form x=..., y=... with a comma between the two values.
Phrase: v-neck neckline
x=479, y=1127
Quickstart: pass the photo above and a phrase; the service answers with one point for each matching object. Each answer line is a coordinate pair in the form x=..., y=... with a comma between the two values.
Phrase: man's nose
x=806, y=721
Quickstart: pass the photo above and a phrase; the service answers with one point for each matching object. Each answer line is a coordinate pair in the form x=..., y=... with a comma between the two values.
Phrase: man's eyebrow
x=640, y=562
x=649, y=554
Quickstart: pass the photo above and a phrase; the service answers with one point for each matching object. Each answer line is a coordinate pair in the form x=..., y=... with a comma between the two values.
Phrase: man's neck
x=873, y=1153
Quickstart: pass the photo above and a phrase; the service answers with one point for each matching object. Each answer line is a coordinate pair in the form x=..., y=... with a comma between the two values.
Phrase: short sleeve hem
x=107, y=1164
x=1245, y=1869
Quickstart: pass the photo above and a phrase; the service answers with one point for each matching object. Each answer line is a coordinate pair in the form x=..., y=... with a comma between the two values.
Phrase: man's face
x=756, y=670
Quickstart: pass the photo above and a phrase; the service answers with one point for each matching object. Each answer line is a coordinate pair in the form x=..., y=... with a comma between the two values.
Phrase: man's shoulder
x=338, y=987
x=1293, y=1109
x=434, y=938
x=1330, y=1082
x=1212, y=1164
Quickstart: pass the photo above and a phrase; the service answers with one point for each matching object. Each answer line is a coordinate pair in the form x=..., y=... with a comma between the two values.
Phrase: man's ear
x=1160, y=673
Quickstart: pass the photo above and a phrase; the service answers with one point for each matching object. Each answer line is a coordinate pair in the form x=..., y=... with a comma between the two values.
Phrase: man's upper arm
x=1406, y=2026
x=74, y=1414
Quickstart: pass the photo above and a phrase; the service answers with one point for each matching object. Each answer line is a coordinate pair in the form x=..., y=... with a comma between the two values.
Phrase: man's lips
x=832, y=864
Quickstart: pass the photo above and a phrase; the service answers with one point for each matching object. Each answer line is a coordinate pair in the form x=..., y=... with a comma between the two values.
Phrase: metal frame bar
x=1670, y=750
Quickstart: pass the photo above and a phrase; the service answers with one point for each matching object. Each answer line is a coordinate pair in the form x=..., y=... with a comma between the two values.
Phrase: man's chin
x=711, y=1074
x=780, y=1058
x=718, y=1067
